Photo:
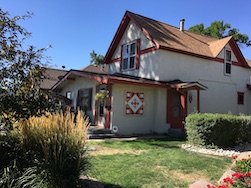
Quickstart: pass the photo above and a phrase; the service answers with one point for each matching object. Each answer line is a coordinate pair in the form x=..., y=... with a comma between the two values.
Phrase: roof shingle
x=171, y=37
x=52, y=76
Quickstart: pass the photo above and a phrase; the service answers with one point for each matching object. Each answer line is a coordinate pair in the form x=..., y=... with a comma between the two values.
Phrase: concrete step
x=178, y=133
x=101, y=136
x=98, y=132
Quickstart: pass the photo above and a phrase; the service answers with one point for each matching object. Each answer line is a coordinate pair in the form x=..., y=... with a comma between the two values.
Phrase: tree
x=21, y=71
x=219, y=29
x=96, y=59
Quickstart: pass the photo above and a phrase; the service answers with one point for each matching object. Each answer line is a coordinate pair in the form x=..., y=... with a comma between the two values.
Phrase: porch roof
x=179, y=85
x=105, y=78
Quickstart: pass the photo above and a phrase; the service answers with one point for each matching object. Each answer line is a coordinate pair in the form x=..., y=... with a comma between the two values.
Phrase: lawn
x=152, y=163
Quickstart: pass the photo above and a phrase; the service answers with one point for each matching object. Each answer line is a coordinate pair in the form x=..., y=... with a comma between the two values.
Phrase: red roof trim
x=240, y=64
x=116, y=39
x=100, y=79
x=148, y=50
x=119, y=33
x=115, y=60
x=189, y=53
x=237, y=53
x=135, y=82
x=143, y=30
x=109, y=79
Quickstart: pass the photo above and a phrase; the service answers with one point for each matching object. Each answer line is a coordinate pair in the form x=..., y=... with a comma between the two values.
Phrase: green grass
x=161, y=163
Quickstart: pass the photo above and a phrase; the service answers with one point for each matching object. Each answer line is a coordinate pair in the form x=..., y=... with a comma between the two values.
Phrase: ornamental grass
x=53, y=151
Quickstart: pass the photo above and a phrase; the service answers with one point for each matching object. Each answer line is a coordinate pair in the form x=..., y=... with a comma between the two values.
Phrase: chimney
x=182, y=22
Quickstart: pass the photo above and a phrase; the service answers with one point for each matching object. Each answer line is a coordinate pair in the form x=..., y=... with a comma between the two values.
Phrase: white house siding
x=153, y=119
x=149, y=66
x=81, y=83
x=114, y=67
x=160, y=97
x=192, y=103
x=221, y=95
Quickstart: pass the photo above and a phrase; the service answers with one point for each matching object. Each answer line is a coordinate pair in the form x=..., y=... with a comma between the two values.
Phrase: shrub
x=10, y=147
x=218, y=130
x=58, y=145
x=47, y=151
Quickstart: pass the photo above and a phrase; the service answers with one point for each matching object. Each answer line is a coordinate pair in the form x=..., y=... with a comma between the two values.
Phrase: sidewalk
x=104, y=137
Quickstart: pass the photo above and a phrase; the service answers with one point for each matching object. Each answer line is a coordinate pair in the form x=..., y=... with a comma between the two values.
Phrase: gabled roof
x=96, y=68
x=248, y=62
x=52, y=76
x=106, y=78
x=118, y=78
x=168, y=37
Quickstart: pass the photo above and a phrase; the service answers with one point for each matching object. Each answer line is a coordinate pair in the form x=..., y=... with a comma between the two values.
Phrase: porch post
x=183, y=101
x=96, y=107
x=108, y=106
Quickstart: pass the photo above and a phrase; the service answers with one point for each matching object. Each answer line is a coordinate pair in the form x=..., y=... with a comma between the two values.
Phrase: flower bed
x=242, y=176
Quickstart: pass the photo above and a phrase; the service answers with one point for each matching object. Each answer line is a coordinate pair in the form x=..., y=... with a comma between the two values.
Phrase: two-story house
x=157, y=75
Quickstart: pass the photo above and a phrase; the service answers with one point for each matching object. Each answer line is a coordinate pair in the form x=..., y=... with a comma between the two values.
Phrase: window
x=129, y=56
x=68, y=94
x=228, y=62
x=101, y=108
x=240, y=98
x=84, y=100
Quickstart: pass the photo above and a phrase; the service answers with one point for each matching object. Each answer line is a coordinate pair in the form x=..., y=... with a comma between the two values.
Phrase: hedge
x=218, y=130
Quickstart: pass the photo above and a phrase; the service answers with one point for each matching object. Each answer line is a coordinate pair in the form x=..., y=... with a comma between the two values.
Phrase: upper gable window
x=228, y=62
x=129, y=56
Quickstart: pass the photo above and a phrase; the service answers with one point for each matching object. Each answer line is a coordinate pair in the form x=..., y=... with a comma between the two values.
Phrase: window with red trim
x=240, y=98
x=228, y=62
x=130, y=58
x=129, y=54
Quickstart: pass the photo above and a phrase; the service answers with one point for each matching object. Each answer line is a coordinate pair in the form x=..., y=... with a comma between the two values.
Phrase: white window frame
x=128, y=55
x=227, y=62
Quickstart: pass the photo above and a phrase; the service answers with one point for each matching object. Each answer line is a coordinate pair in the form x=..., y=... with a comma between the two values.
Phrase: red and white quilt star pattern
x=134, y=103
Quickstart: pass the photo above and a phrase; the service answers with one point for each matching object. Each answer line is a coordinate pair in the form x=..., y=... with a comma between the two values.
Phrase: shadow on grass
x=108, y=185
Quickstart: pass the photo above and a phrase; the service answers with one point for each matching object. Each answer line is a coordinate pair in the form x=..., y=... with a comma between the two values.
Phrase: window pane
x=101, y=109
x=125, y=63
x=68, y=95
x=132, y=60
x=240, y=99
x=133, y=49
x=228, y=55
x=125, y=51
x=228, y=68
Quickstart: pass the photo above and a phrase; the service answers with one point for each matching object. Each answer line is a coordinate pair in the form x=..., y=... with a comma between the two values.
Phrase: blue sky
x=75, y=28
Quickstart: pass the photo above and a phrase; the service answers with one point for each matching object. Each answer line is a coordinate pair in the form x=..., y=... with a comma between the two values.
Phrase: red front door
x=176, y=108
